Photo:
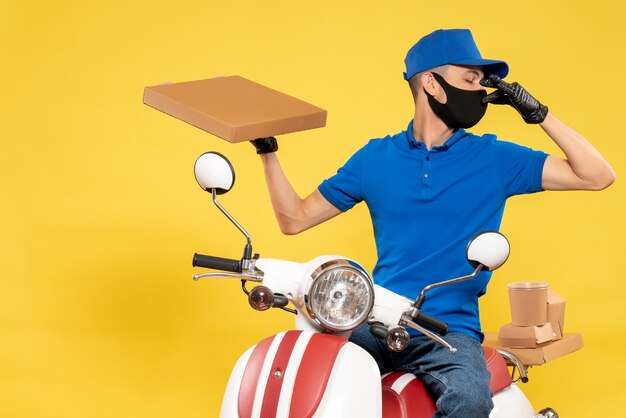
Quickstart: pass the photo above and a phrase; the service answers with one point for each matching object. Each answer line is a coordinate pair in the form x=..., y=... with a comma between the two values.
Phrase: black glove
x=513, y=94
x=265, y=145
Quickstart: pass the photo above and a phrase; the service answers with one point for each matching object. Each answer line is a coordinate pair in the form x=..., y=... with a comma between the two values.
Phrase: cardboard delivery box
x=556, y=313
x=540, y=355
x=234, y=108
x=526, y=337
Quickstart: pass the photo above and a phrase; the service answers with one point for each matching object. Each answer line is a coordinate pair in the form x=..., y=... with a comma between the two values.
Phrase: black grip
x=431, y=323
x=216, y=263
x=378, y=329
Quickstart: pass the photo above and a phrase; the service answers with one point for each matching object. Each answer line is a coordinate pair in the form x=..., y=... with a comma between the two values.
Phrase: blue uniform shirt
x=426, y=206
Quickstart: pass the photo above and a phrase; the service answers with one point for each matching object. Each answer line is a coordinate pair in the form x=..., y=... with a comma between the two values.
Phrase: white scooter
x=314, y=371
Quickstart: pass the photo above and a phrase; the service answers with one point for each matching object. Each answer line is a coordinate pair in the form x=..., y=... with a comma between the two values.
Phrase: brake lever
x=254, y=277
x=429, y=334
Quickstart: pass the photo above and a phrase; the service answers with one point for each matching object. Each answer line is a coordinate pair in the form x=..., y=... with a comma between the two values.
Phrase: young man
x=429, y=190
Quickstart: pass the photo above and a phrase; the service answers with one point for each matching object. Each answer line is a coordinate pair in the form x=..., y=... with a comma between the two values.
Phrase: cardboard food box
x=539, y=355
x=234, y=108
x=526, y=337
x=556, y=312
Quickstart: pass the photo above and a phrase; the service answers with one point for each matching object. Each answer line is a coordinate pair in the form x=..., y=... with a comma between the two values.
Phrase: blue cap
x=449, y=46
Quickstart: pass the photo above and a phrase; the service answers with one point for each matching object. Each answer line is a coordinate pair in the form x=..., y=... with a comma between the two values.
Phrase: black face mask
x=463, y=109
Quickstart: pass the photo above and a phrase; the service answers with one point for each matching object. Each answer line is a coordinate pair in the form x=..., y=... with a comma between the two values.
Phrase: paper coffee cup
x=529, y=303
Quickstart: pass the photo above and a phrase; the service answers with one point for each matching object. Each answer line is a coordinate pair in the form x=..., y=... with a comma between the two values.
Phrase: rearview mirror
x=213, y=171
x=486, y=251
x=491, y=249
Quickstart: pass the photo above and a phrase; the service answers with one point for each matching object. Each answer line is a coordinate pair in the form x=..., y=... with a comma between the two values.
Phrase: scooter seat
x=500, y=376
x=405, y=396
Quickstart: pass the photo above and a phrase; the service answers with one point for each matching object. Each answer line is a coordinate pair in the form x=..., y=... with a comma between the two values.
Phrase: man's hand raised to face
x=514, y=95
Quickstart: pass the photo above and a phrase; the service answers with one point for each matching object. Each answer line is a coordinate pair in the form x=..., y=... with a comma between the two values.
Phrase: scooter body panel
x=511, y=403
x=322, y=374
x=231, y=395
x=353, y=389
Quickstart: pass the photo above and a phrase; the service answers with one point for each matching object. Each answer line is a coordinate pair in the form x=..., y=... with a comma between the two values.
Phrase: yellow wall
x=101, y=213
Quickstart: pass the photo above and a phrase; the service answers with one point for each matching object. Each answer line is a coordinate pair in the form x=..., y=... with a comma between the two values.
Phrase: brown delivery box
x=556, y=312
x=525, y=337
x=540, y=355
x=234, y=108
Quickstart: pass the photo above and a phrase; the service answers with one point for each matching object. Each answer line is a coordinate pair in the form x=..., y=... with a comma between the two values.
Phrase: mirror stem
x=248, y=249
x=422, y=297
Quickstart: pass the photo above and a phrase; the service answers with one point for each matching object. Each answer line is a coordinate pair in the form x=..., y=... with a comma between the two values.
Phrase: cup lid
x=528, y=286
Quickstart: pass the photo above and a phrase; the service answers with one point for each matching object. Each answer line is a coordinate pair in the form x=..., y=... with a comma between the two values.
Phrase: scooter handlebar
x=216, y=263
x=431, y=323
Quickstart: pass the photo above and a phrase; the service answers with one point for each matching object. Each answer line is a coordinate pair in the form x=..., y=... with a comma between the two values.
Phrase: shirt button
x=425, y=176
x=427, y=158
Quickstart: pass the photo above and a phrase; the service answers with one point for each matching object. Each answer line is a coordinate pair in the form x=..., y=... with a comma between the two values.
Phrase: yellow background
x=101, y=213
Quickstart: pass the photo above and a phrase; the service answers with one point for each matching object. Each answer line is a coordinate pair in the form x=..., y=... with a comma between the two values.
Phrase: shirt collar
x=414, y=143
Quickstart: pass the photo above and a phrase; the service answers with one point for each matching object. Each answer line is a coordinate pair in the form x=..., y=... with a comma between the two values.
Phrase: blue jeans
x=458, y=382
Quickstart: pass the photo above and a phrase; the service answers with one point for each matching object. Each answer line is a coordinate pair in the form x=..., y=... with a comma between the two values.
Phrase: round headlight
x=341, y=295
